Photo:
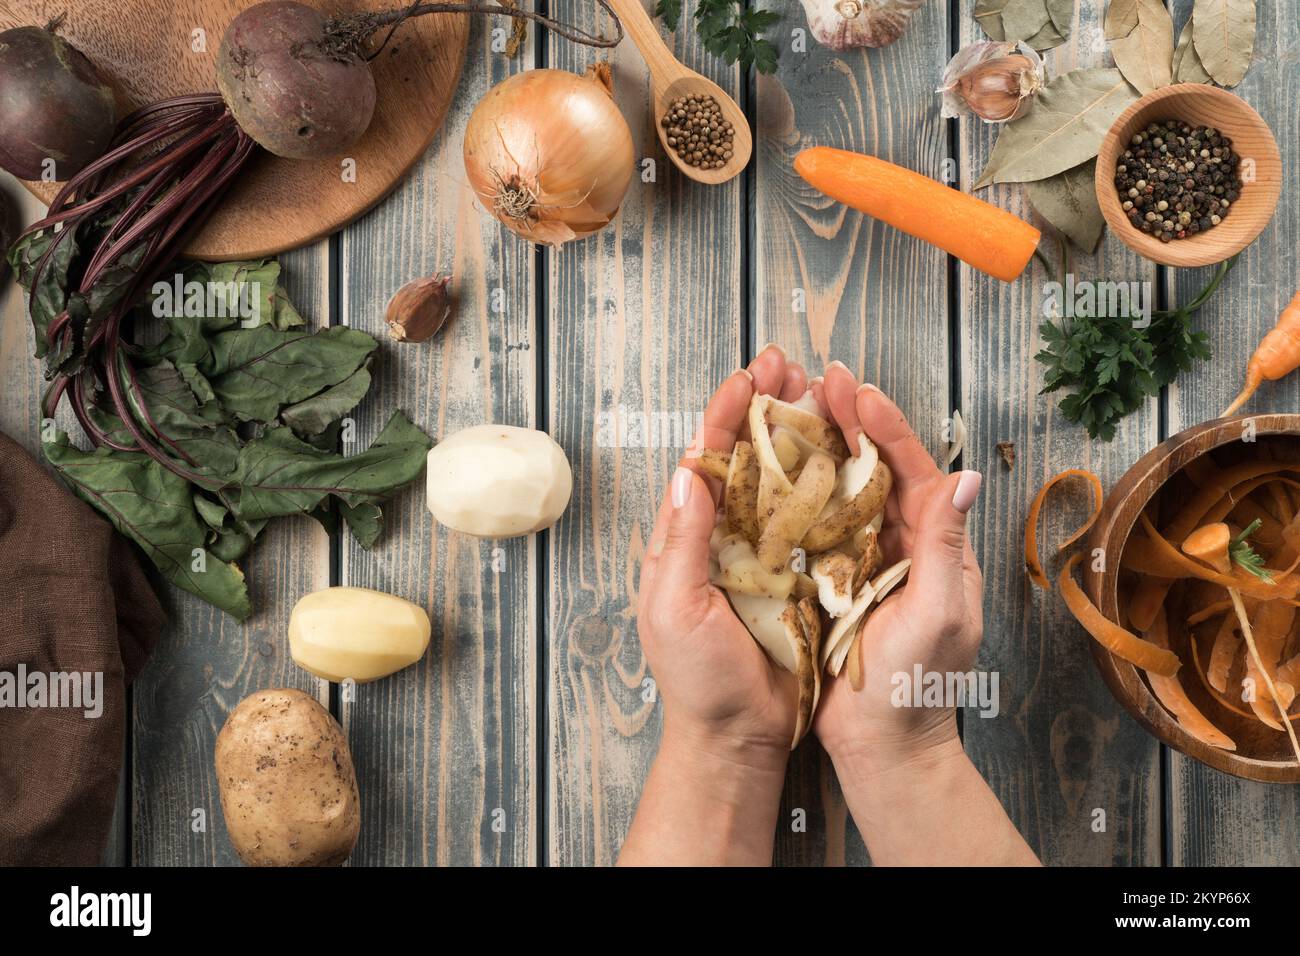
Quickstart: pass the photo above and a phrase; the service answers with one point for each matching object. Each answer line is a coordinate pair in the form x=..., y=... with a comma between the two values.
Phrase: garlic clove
x=844, y=24
x=419, y=309
x=995, y=81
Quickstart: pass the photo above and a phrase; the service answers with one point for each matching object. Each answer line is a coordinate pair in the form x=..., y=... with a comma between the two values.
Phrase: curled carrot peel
x=1032, y=564
x=1219, y=698
x=1210, y=495
x=1210, y=610
x=1173, y=697
x=1284, y=585
x=1120, y=642
x=1277, y=355
x=1226, y=645
x=1263, y=671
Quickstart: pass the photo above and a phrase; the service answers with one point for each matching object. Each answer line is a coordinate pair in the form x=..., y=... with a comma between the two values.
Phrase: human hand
x=936, y=621
x=719, y=689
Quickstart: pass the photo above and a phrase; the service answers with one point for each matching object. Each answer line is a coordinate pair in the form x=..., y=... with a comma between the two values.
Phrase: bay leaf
x=1061, y=14
x=1069, y=120
x=1047, y=38
x=1068, y=201
x=1187, y=66
x=1141, y=36
x=1022, y=19
x=988, y=14
x=1223, y=33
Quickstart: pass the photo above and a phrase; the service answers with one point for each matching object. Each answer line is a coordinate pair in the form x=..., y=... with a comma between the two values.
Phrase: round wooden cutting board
x=152, y=49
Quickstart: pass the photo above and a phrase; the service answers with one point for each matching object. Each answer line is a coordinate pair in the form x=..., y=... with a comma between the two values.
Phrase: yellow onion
x=549, y=154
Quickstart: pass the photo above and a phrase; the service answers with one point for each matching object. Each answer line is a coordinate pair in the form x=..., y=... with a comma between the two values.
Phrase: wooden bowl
x=1262, y=753
x=1200, y=105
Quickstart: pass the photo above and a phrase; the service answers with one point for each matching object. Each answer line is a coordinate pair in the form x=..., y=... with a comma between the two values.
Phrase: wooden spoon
x=671, y=79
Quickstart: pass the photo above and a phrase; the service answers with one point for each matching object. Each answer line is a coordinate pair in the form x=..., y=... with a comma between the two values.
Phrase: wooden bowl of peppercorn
x=1217, y=175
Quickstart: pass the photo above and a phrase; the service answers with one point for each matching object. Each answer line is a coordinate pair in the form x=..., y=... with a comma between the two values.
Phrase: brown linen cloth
x=72, y=599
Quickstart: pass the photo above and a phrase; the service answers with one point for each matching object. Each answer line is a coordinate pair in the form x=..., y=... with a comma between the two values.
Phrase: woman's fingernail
x=867, y=387
x=968, y=489
x=837, y=364
x=683, y=480
x=747, y=373
x=772, y=345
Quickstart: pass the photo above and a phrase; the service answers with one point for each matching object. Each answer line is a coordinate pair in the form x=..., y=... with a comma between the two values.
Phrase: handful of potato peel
x=796, y=546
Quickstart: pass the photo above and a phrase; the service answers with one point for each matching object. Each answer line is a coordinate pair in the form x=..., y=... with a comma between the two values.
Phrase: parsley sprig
x=1246, y=556
x=1111, y=365
x=728, y=30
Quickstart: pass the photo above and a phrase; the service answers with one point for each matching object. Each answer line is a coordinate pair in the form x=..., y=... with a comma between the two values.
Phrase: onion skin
x=53, y=106
x=559, y=138
x=292, y=98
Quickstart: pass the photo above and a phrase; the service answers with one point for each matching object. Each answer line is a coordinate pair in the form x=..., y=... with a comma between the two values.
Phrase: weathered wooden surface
x=445, y=751
x=830, y=283
x=526, y=733
x=1215, y=819
x=643, y=321
x=1061, y=753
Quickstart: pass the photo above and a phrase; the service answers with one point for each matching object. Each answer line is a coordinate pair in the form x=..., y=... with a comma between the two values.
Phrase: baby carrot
x=978, y=233
x=1278, y=354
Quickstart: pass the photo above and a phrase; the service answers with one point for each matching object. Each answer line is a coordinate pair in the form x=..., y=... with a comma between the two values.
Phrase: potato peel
x=740, y=496
x=795, y=513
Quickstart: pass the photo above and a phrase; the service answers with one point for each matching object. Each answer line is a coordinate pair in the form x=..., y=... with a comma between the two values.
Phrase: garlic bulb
x=995, y=81
x=841, y=24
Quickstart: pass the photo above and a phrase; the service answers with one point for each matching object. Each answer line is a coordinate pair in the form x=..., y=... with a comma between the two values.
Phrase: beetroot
x=293, y=82
x=296, y=93
x=55, y=106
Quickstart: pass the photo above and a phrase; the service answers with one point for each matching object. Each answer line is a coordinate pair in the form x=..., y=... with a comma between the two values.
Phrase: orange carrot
x=1032, y=564
x=1123, y=644
x=978, y=233
x=1209, y=544
x=1171, y=694
x=1278, y=355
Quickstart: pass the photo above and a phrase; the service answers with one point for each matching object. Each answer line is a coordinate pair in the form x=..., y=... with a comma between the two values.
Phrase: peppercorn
x=1176, y=180
x=697, y=131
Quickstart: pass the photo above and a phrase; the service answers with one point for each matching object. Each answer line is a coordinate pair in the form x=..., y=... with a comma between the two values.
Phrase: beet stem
x=350, y=32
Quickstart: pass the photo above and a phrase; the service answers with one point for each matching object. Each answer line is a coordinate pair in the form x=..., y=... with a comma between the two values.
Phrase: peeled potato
x=351, y=633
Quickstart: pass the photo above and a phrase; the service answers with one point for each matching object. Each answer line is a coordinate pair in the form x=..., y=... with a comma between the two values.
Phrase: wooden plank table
x=524, y=735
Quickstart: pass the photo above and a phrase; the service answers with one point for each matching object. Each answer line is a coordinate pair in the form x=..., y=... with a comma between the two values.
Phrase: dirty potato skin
x=288, y=790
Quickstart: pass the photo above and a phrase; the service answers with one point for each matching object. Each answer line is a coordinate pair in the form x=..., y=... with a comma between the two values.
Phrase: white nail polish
x=683, y=481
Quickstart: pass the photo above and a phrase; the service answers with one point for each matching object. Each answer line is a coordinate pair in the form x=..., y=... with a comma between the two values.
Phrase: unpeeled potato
x=288, y=790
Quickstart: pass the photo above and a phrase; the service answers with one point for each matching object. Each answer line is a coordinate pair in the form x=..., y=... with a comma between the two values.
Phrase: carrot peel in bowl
x=1120, y=642
x=1032, y=563
x=1174, y=698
